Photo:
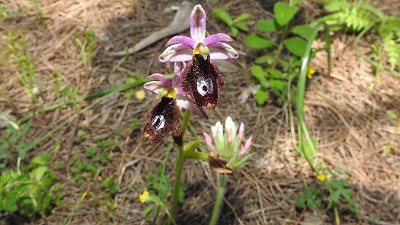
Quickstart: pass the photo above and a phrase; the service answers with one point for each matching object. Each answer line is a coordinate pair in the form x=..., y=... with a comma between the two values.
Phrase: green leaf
x=234, y=31
x=284, y=13
x=295, y=2
x=91, y=152
x=38, y=172
x=278, y=84
x=296, y=45
x=264, y=59
x=261, y=96
x=275, y=73
x=43, y=159
x=257, y=72
x=303, y=30
x=191, y=146
x=268, y=26
x=300, y=202
x=242, y=17
x=336, y=5
x=310, y=150
x=222, y=15
x=258, y=42
x=242, y=26
x=147, y=211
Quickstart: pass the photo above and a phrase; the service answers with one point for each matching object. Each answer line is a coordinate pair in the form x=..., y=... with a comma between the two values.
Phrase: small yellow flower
x=310, y=72
x=144, y=197
x=321, y=177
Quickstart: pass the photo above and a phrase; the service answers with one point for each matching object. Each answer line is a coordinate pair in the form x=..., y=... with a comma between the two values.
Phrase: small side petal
x=153, y=86
x=198, y=24
x=186, y=41
x=222, y=51
x=176, y=53
x=187, y=104
x=214, y=38
x=167, y=83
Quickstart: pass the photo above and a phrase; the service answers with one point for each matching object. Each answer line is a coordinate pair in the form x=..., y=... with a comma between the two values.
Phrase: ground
x=343, y=112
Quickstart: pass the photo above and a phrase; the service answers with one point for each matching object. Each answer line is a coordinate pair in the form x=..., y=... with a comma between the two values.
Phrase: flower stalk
x=220, y=195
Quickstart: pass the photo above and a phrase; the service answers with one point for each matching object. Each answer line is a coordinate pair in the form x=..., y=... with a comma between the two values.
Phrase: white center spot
x=158, y=122
x=204, y=86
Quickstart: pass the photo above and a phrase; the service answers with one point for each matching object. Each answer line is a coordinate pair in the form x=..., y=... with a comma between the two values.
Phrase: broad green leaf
x=300, y=202
x=295, y=2
x=257, y=72
x=242, y=17
x=264, y=59
x=278, y=84
x=284, y=13
x=258, y=42
x=333, y=6
x=275, y=73
x=43, y=159
x=268, y=26
x=242, y=26
x=261, y=96
x=296, y=45
x=38, y=172
x=303, y=30
x=222, y=15
x=234, y=31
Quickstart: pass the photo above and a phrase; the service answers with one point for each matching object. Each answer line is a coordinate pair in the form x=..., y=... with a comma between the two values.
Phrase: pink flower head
x=226, y=143
x=183, y=48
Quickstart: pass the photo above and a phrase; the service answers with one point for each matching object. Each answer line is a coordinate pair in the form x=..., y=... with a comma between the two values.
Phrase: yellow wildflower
x=321, y=177
x=310, y=72
x=144, y=197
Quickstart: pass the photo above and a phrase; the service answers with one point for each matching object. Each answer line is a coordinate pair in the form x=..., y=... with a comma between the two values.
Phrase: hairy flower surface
x=183, y=48
x=202, y=81
x=225, y=145
x=163, y=118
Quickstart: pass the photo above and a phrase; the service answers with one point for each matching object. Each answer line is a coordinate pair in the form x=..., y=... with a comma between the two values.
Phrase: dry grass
x=344, y=115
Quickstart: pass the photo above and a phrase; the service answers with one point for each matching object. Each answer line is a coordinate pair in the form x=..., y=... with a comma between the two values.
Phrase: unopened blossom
x=227, y=144
x=183, y=48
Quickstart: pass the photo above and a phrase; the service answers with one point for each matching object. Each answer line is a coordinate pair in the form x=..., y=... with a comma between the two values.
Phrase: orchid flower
x=225, y=145
x=182, y=48
x=164, y=87
x=165, y=117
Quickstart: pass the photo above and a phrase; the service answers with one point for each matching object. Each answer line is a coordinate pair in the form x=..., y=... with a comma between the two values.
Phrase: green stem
x=217, y=205
x=179, y=165
x=337, y=218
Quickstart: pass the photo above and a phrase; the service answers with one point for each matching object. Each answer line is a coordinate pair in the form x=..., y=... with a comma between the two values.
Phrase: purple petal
x=198, y=24
x=187, y=104
x=153, y=86
x=176, y=53
x=167, y=83
x=220, y=37
x=187, y=41
x=178, y=68
x=220, y=50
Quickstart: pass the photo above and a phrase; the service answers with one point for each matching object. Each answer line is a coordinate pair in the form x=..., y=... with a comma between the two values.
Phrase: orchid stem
x=179, y=165
x=217, y=205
